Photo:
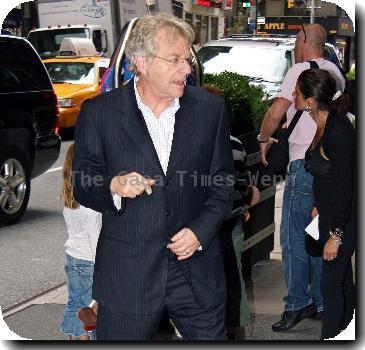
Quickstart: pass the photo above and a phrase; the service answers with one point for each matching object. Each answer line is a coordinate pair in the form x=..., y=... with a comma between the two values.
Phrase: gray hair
x=141, y=41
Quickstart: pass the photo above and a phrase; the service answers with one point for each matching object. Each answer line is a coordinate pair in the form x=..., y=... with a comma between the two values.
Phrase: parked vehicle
x=47, y=41
x=265, y=60
x=99, y=20
x=28, y=124
x=75, y=74
x=259, y=238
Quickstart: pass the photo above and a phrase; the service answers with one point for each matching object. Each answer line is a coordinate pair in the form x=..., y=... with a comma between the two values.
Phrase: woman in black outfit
x=331, y=161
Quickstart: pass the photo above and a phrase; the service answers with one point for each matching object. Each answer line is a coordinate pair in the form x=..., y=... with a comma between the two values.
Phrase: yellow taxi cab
x=75, y=74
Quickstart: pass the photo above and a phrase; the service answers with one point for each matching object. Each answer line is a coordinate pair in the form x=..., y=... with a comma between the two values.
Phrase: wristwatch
x=262, y=141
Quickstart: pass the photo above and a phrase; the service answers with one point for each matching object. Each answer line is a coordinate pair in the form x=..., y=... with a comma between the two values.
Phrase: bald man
x=302, y=271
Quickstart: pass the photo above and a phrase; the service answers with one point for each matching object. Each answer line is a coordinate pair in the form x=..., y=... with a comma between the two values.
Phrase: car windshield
x=260, y=63
x=48, y=42
x=71, y=72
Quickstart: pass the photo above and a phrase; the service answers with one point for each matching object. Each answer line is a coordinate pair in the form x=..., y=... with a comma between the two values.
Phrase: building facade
x=287, y=16
x=207, y=17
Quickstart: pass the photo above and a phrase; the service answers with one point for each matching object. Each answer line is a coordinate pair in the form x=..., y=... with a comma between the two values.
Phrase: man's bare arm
x=270, y=123
x=273, y=117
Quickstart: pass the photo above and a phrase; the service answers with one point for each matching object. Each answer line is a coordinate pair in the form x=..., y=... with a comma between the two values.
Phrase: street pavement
x=40, y=318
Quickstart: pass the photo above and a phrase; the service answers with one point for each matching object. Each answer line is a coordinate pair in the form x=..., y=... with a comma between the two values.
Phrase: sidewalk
x=40, y=319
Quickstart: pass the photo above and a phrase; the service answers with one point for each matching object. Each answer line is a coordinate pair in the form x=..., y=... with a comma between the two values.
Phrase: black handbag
x=277, y=155
x=312, y=246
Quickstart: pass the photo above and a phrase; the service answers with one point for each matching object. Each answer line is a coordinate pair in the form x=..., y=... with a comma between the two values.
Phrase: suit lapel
x=184, y=127
x=133, y=122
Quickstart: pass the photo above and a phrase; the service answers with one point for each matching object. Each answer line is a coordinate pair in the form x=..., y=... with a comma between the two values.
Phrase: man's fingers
x=185, y=256
x=147, y=184
x=181, y=250
x=176, y=246
x=178, y=236
x=263, y=159
x=151, y=182
x=263, y=147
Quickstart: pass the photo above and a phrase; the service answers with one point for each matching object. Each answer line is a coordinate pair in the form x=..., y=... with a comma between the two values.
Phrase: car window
x=260, y=63
x=21, y=69
x=71, y=72
x=207, y=53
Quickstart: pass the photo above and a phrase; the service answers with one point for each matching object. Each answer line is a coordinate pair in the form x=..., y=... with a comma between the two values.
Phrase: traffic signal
x=290, y=4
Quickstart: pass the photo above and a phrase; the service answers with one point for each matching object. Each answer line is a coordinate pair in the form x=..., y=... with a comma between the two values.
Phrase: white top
x=303, y=133
x=161, y=130
x=83, y=226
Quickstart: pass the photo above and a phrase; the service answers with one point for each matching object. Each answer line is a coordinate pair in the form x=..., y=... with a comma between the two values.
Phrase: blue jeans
x=302, y=272
x=79, y=283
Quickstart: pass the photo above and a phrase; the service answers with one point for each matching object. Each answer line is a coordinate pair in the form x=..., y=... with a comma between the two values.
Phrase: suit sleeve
x=91, y=183
x=218, y=204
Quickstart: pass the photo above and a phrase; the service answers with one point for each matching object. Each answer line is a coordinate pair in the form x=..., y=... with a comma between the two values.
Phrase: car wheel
x=14, y=186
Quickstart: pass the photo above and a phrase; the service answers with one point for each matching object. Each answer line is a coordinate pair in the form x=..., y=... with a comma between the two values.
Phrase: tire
x=14, y=185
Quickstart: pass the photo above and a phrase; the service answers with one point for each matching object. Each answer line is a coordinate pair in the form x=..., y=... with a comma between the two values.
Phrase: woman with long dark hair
x=331, y=160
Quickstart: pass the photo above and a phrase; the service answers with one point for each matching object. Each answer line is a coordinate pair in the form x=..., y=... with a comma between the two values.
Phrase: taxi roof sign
x=77, y=47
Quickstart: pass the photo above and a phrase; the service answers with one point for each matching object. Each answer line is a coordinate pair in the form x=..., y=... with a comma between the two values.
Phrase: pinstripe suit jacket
x=132, y=259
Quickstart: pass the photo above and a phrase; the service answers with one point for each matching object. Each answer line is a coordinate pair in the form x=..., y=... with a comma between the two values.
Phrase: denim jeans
x=79, y=283
x=302, y=272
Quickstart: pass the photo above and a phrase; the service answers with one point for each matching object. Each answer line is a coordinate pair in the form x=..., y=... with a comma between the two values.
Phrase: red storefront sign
x=211, y=3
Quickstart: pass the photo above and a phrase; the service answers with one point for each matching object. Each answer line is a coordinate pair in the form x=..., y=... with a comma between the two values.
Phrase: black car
x=29, y=141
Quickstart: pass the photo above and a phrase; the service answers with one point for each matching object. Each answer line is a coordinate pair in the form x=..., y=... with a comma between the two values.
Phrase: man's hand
x=314, y=213
x=131, y=185
x=264, y=146
x=254, y=195
x=246, y=215
x=184, y=244
x=330, y=249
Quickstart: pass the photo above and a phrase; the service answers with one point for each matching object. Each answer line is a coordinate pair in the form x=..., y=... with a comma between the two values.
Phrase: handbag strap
x=298, y=114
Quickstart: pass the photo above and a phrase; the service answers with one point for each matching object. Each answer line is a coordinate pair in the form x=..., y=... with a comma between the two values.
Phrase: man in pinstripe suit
x=154, y=157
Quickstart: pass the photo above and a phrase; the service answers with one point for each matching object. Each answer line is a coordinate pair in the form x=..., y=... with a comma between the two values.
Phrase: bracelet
x=338, y=232
x=262, y=141
x=336, y=238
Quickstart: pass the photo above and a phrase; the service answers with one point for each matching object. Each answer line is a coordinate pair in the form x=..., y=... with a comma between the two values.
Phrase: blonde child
x=83, y=226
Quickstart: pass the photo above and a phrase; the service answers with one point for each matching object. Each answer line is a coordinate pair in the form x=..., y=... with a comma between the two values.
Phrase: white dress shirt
x=161, y=130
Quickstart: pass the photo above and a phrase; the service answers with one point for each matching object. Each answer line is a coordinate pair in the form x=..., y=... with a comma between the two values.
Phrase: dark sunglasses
x=305, y=35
